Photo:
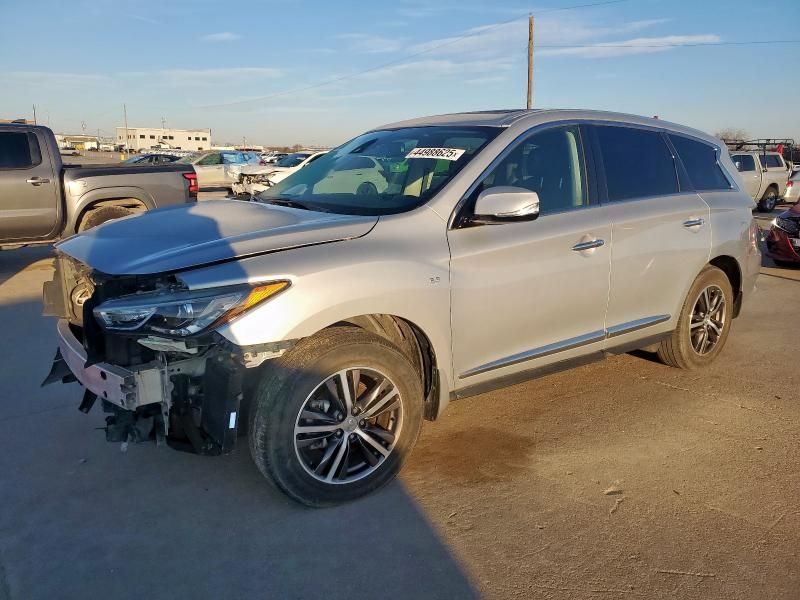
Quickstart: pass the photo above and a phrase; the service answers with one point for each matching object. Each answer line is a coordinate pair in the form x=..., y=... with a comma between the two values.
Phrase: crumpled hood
x=176, y=238
x=260, y=169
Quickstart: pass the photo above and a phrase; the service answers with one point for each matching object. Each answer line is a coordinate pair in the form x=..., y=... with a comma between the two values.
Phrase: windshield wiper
x=294, y=204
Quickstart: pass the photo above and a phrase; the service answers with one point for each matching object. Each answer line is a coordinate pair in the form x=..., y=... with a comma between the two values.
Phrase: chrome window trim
x=568, y=344
x=578, y=122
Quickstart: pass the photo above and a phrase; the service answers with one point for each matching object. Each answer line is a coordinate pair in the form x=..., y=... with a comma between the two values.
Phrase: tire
x=769, y=200
x=298, y=383
x=97, y=216
x=679, y=349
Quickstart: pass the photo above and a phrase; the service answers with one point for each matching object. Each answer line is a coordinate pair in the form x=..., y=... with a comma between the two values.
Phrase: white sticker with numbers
x=441, y=153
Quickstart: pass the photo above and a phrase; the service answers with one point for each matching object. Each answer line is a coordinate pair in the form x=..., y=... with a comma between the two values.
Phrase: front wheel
x=704, y=322
x=334, y=418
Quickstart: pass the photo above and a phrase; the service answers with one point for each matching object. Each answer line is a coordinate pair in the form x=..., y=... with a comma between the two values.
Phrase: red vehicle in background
x=783, y=239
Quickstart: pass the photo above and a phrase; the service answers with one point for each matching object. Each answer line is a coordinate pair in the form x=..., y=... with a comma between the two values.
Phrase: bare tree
x=732, y=133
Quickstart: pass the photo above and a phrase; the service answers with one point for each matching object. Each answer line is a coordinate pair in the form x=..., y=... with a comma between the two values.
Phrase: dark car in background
x=151, y=159
x=783, y=239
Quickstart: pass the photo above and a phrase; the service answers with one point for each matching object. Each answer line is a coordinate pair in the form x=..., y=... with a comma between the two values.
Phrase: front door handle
x=694, y=222
x=580, y=247
x=37, y=180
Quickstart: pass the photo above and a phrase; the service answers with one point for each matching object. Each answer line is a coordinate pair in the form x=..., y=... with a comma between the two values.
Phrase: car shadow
x=85, y=518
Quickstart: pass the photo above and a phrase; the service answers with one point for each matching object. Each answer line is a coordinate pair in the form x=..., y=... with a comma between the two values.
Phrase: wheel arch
x=733, y=270
x=412, y=340
x=127, y=197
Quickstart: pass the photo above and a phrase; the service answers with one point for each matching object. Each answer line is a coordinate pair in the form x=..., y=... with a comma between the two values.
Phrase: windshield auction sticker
x=441, y=153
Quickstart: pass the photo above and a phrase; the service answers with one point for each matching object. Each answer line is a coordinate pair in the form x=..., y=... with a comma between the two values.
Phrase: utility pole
x=125, y=148
x=530, y=62
x=34, y=114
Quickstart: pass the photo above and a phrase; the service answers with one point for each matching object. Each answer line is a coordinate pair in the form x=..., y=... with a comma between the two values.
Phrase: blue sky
x=228, y=65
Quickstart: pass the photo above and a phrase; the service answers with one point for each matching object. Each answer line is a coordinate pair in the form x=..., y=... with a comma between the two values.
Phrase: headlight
x=184, y=313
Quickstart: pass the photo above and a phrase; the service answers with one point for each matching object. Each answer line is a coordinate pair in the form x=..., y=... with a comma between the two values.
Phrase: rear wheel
x=769, y=200
x=704, y=322
x=335, y=417
x=97, y=216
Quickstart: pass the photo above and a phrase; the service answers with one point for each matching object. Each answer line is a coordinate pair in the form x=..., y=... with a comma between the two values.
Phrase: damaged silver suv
x=420, y=262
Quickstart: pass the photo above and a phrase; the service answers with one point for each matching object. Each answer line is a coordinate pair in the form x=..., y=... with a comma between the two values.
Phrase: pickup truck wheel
x=768, y=202
x=334, y=418
x=704, y=322
x=96, y=216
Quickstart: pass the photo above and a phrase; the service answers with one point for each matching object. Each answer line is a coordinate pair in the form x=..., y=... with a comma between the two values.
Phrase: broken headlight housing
x=181, y=314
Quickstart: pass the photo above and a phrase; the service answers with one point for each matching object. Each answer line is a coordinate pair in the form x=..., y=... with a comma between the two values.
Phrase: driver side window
x=550, y=163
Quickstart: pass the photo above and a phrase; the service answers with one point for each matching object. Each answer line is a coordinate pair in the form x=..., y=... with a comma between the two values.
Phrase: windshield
x=292, y=160
x=383, y=172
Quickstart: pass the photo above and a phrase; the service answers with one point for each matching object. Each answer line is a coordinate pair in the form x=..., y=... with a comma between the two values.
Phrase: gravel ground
x=621, y=479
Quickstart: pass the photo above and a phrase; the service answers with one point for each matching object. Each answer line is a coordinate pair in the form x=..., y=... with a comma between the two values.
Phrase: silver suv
x=471, y=251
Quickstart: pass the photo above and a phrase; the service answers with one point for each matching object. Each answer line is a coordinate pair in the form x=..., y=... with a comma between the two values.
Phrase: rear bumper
x=779, y=246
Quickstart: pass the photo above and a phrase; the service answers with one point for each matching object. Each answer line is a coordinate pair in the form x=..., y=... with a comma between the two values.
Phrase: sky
x=316, y=72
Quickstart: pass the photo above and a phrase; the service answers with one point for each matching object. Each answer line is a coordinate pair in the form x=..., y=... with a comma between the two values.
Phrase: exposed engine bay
x=188, y=392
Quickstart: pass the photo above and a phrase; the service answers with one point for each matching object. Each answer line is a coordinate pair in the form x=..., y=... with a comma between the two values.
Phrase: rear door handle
x=37, y=181
x=694, y=222
x=588, y=245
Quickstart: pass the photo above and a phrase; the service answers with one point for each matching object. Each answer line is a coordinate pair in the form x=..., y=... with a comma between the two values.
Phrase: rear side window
x=19, y=150
x=637, y=163
x=772, y=161
x=700, y=161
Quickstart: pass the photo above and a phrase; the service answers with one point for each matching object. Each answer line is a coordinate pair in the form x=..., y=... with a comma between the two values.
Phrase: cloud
x=56, y=79
x=646, y=45
x=223, y=36
x=370, y=44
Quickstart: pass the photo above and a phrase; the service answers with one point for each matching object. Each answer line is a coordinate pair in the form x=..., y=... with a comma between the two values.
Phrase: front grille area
x=790, y=226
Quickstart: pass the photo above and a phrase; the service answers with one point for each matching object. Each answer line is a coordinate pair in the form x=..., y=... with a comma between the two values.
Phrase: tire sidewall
x=710, y=276
x=102, y=215
x=281, y=396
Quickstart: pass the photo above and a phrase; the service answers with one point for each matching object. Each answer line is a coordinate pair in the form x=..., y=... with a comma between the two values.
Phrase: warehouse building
x=144, y=138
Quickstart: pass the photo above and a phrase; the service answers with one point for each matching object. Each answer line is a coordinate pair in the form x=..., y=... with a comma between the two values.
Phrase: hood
x=175, y=238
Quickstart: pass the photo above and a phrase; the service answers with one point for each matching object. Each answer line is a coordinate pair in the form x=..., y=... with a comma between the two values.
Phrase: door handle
x=694, y=222
x=37, y=181
x=580, y=247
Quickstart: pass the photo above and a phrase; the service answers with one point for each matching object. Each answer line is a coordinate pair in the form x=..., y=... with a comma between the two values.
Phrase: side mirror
x=505, y=204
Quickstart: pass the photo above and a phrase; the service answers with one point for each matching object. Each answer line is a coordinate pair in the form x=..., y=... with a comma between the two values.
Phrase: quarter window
x=700, y=161
x=549, y=163
x=637, y=163
x=19, y=150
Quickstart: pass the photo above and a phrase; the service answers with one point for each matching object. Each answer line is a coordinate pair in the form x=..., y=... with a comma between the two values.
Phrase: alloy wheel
x=348, y=426
x=708, y=320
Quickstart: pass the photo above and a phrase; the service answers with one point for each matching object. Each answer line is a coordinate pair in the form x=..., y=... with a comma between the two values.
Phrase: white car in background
x=220, y=168
x=254, y=179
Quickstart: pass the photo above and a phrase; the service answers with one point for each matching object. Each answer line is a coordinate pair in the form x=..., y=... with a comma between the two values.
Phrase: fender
x=101, y=194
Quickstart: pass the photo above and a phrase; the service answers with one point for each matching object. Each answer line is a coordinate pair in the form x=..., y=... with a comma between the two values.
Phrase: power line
x=601, y=45
x=391, y=63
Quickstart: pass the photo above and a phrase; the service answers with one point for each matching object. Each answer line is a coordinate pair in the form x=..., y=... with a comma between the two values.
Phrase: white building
x=144, y=138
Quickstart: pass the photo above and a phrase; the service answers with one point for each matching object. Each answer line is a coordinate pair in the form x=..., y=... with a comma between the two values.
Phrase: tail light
x=193, y=187
x=789, y=183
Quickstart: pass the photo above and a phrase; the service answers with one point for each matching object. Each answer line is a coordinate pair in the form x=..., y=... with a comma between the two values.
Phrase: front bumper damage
x=251, y=184
x=189, y=394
